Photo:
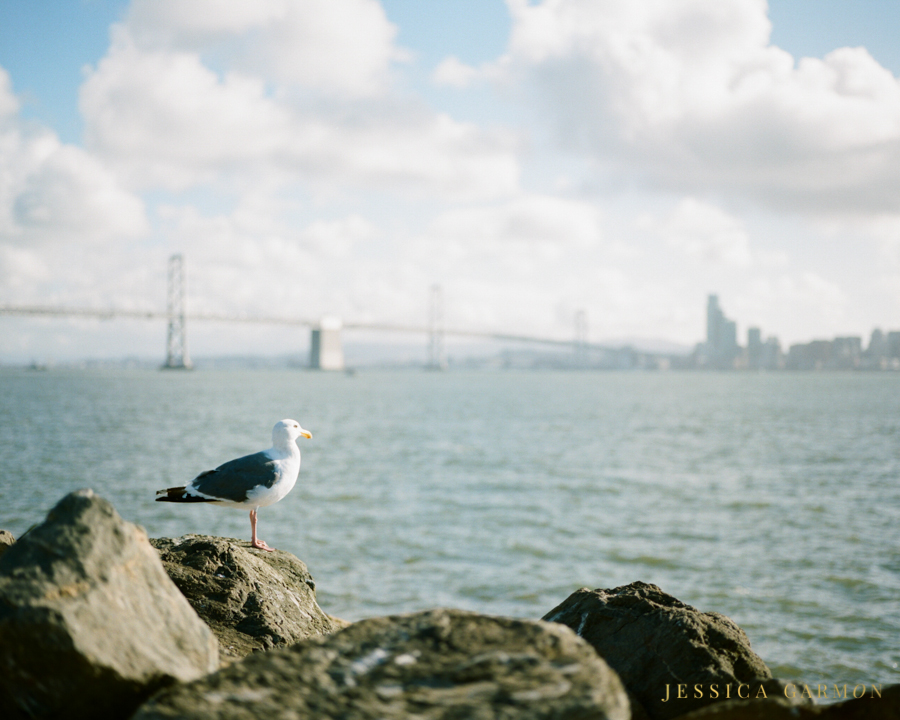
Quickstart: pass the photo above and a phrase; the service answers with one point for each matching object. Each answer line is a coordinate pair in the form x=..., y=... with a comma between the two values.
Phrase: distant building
x=883, y=352
x=772, y=357
x=846, y=353
x=754, y=348
x=809, y=356
x=877, y=345
x=714, y=319
x=893, y=344
x=843, y=353
x=721, y=349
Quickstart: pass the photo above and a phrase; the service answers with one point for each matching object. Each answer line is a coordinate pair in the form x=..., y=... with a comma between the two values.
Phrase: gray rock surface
x=251, y=599
x=90, y=624
x=653, y=640
x=435, y=665
x=6, y=540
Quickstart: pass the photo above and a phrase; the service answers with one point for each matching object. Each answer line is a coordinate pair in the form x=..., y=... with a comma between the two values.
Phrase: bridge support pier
x=437, y=359
x=325, y=349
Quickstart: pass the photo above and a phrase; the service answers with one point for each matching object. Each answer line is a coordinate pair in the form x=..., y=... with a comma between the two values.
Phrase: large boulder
x=439, y=664
x=251, y=599
x=90, y=624
x=659, y=645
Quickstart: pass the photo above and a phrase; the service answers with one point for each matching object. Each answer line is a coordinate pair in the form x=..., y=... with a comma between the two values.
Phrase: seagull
x=252, y=481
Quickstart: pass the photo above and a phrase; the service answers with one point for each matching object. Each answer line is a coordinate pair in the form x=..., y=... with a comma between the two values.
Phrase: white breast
x=288, y=468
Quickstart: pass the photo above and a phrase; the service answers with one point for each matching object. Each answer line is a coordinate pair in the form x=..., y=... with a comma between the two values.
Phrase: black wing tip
x=178, y=495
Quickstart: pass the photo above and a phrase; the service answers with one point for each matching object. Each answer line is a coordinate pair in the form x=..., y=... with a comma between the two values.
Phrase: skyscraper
x=754, y=348
x=714, y=318
x=721, y=335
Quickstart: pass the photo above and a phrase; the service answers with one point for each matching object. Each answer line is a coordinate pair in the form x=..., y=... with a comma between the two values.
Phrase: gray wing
x=233, y=480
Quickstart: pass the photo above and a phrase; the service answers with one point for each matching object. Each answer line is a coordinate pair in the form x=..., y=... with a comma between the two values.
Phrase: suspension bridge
x=326, y=347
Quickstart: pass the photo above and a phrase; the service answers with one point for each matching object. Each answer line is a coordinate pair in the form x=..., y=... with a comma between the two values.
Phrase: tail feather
x=177, y=494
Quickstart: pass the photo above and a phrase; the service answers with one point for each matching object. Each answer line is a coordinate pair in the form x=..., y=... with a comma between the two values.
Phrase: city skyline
x=534, y=159
x=723, y=351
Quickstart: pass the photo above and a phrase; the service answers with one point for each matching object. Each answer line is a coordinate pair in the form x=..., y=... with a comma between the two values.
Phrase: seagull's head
x=287, y=431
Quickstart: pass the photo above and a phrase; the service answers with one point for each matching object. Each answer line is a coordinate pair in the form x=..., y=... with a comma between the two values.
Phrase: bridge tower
x=325, y=349
x=437, y=359
x=176, y=340
x=581, y=339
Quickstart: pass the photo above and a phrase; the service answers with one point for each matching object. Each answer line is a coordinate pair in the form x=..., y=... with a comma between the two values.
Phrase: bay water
x=773, y=498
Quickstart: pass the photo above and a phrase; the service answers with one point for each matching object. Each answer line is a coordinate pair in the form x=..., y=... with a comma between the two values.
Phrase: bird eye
x=296, y=425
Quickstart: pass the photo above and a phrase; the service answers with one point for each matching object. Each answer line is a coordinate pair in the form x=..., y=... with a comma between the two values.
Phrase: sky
x=624, y=158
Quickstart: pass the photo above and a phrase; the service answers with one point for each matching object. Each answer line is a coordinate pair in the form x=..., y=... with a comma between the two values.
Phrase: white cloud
x=703, y=232
x=9, y=104
x=274, y=147
x=339, y=240
x=342, y=47
x=252, y=261
x=165, y=118
x=520, y=236
x=57, y=204
x=485, y=254
x=65, y=193
x=799, y=306
x=691, y=96
x=452, y=71
x=510, y=264
x=885, y=229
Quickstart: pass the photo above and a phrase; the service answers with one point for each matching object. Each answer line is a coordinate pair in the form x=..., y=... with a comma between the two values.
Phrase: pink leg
x=257, y=543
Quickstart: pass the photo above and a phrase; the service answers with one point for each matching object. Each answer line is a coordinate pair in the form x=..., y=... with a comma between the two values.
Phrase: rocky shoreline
x=99, y=621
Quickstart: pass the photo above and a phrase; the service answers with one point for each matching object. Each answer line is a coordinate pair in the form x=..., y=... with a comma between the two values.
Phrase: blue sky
x=44, y=46
x=535, y=159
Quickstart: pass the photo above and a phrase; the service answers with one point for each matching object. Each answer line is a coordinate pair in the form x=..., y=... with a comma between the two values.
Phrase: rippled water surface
x=774, y=499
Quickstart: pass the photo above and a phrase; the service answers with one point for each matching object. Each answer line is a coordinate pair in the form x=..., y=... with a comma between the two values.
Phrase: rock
x=439, y=664
x=870, y=706
x=637, y=711
x=90, y=624
x=770, y=709
x=654, y=641
x=251, y=599
x=883, y=705
x=6, y=541
x=749, y=710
